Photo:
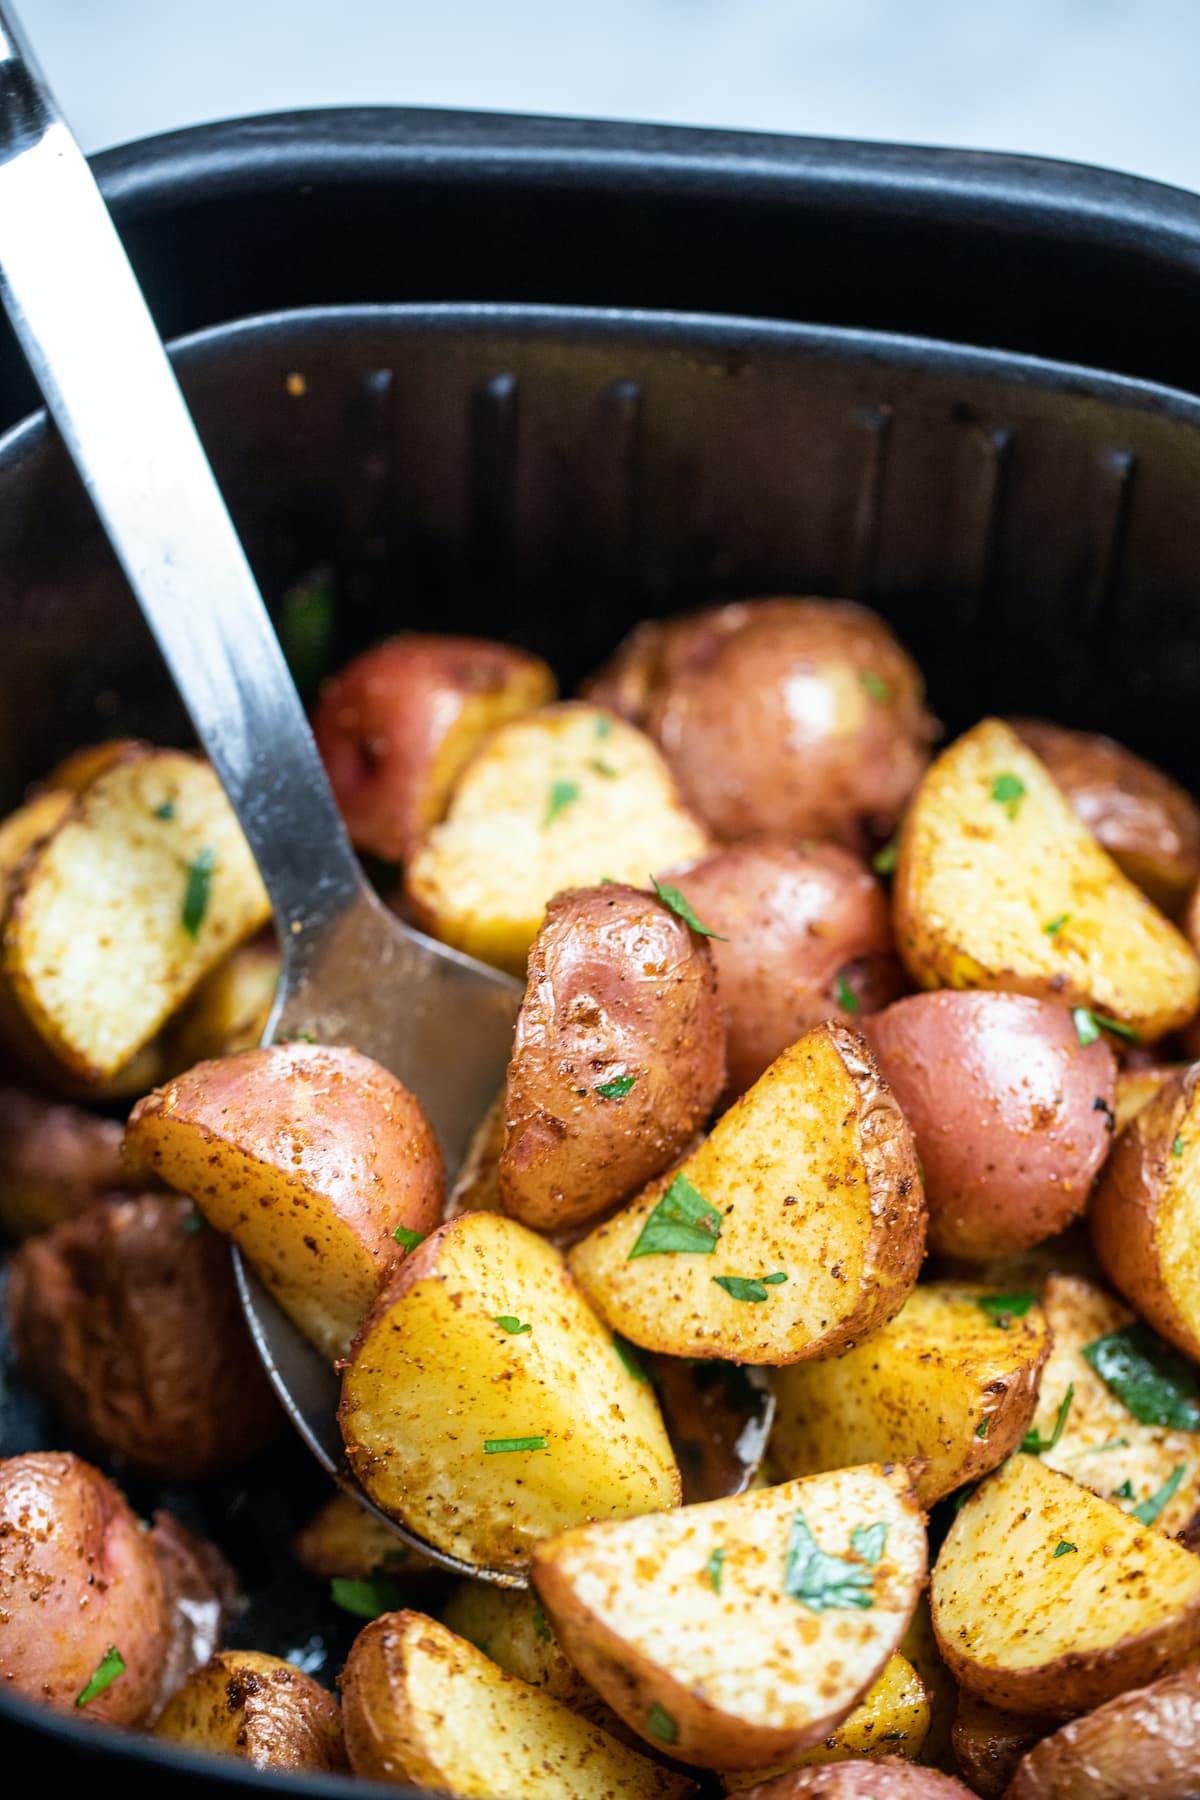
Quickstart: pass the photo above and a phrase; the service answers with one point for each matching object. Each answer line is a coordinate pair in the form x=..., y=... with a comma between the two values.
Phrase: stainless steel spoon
x=352, y=972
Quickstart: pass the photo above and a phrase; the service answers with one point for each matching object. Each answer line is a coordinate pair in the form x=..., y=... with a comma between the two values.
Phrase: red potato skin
x=1011, y=1113
x=55, y=1160
x=617, y=986
x=1144, y=1743
x=882, y=1778
x=988, y=1743
x=199, y=1591
x=797, y=924
x=78, y=1575
x=803, y=717
x=395, y=727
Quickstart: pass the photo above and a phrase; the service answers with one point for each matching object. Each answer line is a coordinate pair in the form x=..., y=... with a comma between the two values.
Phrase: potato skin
x=798, y=716
x=883, y=1778
x=1011, y=1113
x=397, y=724
x=989, y=1743
x=78, y=1575
x=55, y=1160
x=804, y=927
x=265, y=1711
x=1144, y=1743
x=199, y=1591
x=1149, y=825
x=618, y=986
x=126, y=1321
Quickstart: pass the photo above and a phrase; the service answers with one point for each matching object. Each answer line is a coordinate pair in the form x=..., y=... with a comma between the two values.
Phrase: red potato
x=618, y=1059
x=808, y=936
x=78, y=1578
x=1143, y=1744
x=397, y=725
x=258, y=1708
x=876, y=1778
x=1011, y=1113
x=989, y=1743
x=199, y=1591
x=55, y=1160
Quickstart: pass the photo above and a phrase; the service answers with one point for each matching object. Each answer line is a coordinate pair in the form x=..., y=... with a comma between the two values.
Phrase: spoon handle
x=75, y=304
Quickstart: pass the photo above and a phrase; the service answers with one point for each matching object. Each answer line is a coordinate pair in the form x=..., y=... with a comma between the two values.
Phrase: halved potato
x=891, y=1719
x=310, y=1157
x=1144, y=1744
x=795, y=1229
x=229, y=1010
x=952, y=1379
x=990, y=1743
x=558, y=799
x=143, y=887
x=343, y=1539
x=485, y=1405
x=265, y=1711
x=1145, y=1213
x=425, y=1709
x=738, y=1632
x=999, y=885
x=1048, y=1600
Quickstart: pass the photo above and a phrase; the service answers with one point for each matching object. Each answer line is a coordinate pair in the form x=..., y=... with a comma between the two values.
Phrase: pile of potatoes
x=864, y=1069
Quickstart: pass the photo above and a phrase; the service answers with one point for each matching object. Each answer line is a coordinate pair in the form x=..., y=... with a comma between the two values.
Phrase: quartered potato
x=312, y=1158
x=919, y=1647
x=1145, y=1214
x=510, y=1626
x=425, y=1709
x=343, y=1539
x=229, y=1010
x=486, y=1406
x=952, y=1379
x=558, y=799
x=796, y=1228
x=1137, y=1085
x=999, y=885
x=1048, y=1600
x=143, y=887
x=1144, y=1744
x=264, y=1711
x=738, y=1632
x=891, y=1719
x=989, y=1743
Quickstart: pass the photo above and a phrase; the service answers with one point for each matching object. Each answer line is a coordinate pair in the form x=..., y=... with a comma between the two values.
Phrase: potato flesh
x=924, y=1386
x=979, y=879
x=892, y=1719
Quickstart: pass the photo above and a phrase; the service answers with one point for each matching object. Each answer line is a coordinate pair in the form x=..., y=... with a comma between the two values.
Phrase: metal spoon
x=352, y=972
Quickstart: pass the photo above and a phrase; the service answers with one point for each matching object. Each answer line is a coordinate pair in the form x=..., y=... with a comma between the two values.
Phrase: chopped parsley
x=196, y=891
x=1034, y=1444
x=1149, y=1379
x=604, y=768
x=1089, y=1025
x=682, y=1221
x=629, y=1357
x=821, y=1581
x=616, y=1089
x=541, y=1623
x=869, y=1540
x=1124, y=1492
x=409, y=1238
x=1002, y=1309
x=981, y=1430
x=306, y=622
x=1008, y=791
x=166, y=810
x=1149, y=1509
x=366, y=1599
x=1052, y=927
x=562, y=795
x=1177, y=1147
x=195, y=1223
x=749, y=1287
x=661, y=1725
x=671, y=896
x=885, y=859
x=847, y=999
x=1065, y=1549
x=111, y=1664
x=513, y=1326
x=603, y=726
x=1099, y=1449
x=713, y=1569
x=874, y=685
x=503, y=1446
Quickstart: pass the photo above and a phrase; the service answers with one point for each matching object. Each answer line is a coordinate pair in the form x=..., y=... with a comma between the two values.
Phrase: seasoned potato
x=199, y=1590
x=990, y=1743
x=618, y=1059
x=953, y=1379
x=344, y=1539
x=806, y=935
x=55, y=1160
x=919, y=1646
x=1034, y=1627
x=738, y=1632
x=141, y=890
x=794, y=1230
x=891, y=1719
x=79, y=768
x=1146, y=1743
x=1100, y=1443
x=229, y=1010
x=999, y=885
x=1149, y=825
x=79, y=1581
x=559, y=799
x=398, y=724
x=310, y=1157
x=126, y=1320
x=871, y=1780
x=798, y=716
x=267, y=1712
x=1011, y=1113
x=424, y=1708
x=471, y=1403
x=1145, y=1213
x=510, y=1626
x=1137, y=1086
x=476, y=1187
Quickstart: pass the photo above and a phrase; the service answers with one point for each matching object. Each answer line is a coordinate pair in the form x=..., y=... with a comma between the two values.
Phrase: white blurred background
x=1104, y=81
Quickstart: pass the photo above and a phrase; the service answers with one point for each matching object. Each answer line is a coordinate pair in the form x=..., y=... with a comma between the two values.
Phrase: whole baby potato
x=799, y=716
x=79, y=1580
x=397, y=725
x=805, y=935
x=126, y=1321
x=1011, y=1113
x=618, y=1059
x=55, y=1160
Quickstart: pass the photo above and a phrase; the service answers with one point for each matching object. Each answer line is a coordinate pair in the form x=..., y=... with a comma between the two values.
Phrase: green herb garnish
x=306, y=621
x=513, y=1326
x=629, y=1357
x=366, y=1599
x=1054, y=926
x=111, y=1664
x=196, y=891
x=604, y=768
x=847, y=999
x=875, y=686
x=869, y=1540
x=821, y=1581
x=682, y=1221
x=1177, y=1147
x=195, y=1222
x=981, y=1430
x=1153, y=1383
x=1089, y=1025
x=616, y=1089
x=562, y=795
x=166, y=810
x=661, y=1725
x=409, y=1238
x=1149, y=1510
x=1008, y=791
x=749, y=1287
x=1002, y=1309
x=671, y=896
x=1065, y=1549
x=502, y=1446
x=541, y=1623
x=1034, y=1444
x=713, y=1568
x=1124, y=1492
x=603, y=726
x=885, y=859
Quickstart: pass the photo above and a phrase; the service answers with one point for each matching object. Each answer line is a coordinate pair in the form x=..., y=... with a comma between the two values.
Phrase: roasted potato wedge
x=310, y=1157
x=472, y=1400
x=265, y=1711
x=398, y=724
x=55, y=1160
x=229, y=1010
x=426, y=1709
x=989, y=1743
x=999, y=885
x=143, y=887
x=952, y=1379
x=1145, y=1213
x=199, y=1592
x=795, y=1229
x=1011, y=1113
x=891, y=1719
x=558, y=799
x=741, y=1631
x=1033, y=1627
x=344, y=1539
x=1136, y=1086
x=867, y=1780
x=1145, y=1743
x=618, y=1059
x=919, y=1646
